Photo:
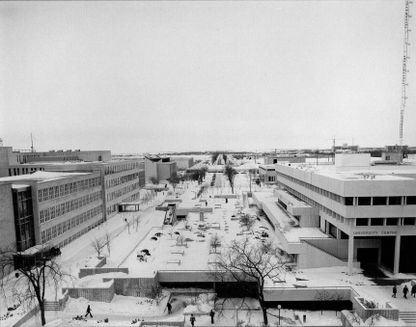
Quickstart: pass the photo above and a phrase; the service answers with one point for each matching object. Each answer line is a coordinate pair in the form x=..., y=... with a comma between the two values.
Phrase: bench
x=182, y=252
x=174, y=261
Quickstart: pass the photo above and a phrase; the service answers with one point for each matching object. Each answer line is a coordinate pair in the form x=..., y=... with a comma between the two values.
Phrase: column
x=397, y=254
x=350, y=253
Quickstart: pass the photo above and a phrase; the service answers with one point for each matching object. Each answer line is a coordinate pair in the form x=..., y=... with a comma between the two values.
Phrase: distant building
x=183, y=163
x=270, y=160
x=48, y=207
x=159, y=168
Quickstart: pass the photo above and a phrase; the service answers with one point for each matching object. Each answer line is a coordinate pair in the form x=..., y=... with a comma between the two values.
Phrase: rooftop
x=41, y=176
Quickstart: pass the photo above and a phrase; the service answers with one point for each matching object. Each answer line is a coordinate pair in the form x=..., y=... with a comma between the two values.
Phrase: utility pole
x=31, y=141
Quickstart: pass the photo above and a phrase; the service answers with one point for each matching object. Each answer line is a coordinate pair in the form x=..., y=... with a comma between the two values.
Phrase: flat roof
x=42, y=176
x=378, y=173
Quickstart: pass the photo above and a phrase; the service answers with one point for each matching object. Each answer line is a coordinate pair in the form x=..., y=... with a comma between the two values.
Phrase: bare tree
x=97, y=244
x=32, y=275
x=108, y=241
x=215, y=242
x=250, y=261
x=174, y=180
x=136, y=219
x=247, y=221
x=230, y=172
x=251, y=174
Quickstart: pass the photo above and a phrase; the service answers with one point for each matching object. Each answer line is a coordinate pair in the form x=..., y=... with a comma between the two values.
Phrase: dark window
x=379, y=201
x=364, y=201
x=349, y=201
x=332, y=230
x=395, y=200
x=411, y=200
x=408, y=221
x=361, y=222
x=377, y=221
x=343, y=235
x=391, y=221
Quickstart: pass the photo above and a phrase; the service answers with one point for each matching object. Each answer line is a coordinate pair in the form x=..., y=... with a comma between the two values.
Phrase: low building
x=49, y=207
x=183, y=163
x=279, y=158
x=267, y=174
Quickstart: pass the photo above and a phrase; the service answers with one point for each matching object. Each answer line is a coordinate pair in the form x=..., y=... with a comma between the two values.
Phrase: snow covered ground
x=129, y=239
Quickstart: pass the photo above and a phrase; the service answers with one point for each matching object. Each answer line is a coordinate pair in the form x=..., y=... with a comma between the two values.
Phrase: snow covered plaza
x=168, y=253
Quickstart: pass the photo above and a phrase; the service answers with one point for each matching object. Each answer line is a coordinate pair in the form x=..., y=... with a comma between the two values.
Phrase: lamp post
x=279, y=307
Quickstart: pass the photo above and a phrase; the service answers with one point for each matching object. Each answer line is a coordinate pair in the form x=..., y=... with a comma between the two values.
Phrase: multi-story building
x=368, y=212
x=183, y=163
x=49, y=207
x=121, y=180
x=159, y=168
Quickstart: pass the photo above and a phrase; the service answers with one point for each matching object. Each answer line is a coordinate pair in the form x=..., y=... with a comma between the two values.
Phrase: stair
x=409, y=317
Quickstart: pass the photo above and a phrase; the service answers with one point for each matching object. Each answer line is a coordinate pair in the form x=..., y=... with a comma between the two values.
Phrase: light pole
x=279, y=307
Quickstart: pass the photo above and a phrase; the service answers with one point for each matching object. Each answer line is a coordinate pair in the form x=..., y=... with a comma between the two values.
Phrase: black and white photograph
x=195, y=163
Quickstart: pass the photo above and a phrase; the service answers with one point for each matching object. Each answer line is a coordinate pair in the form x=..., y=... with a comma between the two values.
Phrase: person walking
x=212, y=314
x=413, y=291
x=394, y=291
x=192, y=320
x=88, y=311
x=169, y=306
x=405, y=291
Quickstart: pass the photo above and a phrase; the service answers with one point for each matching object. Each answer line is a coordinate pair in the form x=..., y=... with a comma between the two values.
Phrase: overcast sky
x=158, y=76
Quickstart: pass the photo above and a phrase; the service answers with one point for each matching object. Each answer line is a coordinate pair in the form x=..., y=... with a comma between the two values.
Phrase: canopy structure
x=128, y=206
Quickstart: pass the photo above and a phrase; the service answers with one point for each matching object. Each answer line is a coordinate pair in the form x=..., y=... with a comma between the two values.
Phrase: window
x=364, y=201
x=361, y=222
x=395, y=200
x=379, y=201
x=408, y=221
x=377, y=221
x=349, y=201
x=411, y=200
x=391, y=221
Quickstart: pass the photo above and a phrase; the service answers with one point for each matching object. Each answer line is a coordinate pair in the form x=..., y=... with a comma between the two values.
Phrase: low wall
x=226, y=196
x=313, y=257
x=287, y=294
x=133, y=286
x=163, y=323
x=26, y=317
x=103, y=294
x=388, y=312
x=57, y=305
x=94, y=271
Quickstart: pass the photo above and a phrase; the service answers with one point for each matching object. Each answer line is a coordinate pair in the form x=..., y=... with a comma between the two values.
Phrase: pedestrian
x=88, y=311
x=192, y=320
x=212, y=314
x=413, y=291
x=169, y=306
x=405, y=291
x=394, y=291
x=206, y=203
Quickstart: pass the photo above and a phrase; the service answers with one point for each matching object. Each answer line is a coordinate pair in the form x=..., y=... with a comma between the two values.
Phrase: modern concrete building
x=48, y=207
x=279, y=158
x=160, y=168
x=368, y=213
x=183, y=163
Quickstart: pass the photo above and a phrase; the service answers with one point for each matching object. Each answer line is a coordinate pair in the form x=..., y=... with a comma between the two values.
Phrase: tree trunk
x=42, y=313
x=264, y=310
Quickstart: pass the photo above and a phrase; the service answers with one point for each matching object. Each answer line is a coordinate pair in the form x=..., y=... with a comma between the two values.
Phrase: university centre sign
x=374, y=233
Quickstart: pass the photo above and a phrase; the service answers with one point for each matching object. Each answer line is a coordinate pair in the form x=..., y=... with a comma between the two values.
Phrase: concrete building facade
x=159, y=168
x=369, y=210
x=49, y=207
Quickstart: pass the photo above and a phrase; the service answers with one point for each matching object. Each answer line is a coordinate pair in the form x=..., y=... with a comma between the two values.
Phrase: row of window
x=63, y=208
x=113, y=169
x=57, y=230
x=54, y=192
x=121, y=180
x=23, y=171
x=380, y=200
x=116, y=194
x=354, y=201
x=408, y=221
